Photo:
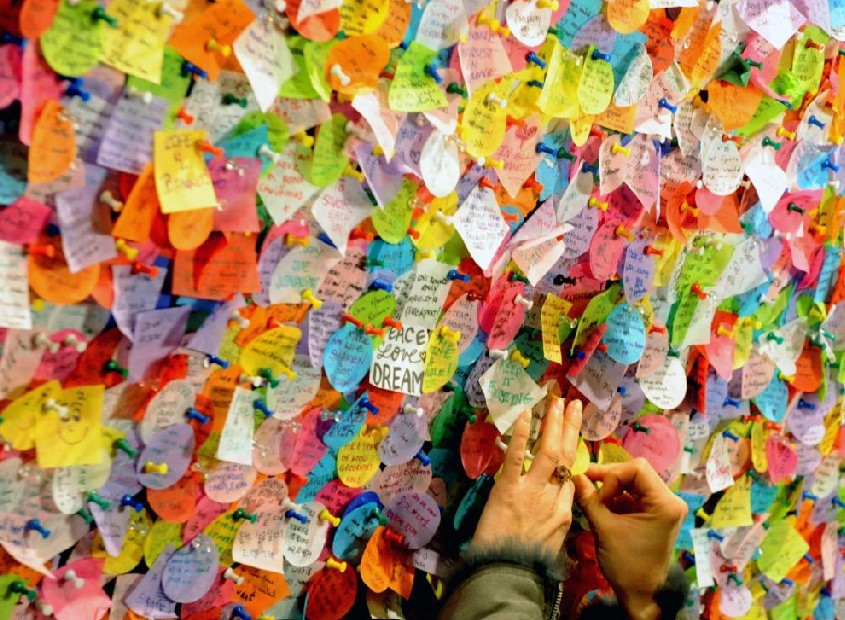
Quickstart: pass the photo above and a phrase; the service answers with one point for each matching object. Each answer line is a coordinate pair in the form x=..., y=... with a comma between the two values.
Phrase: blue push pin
x=534, y=59
x=715, y=535
x=814, y=121
x=74, y=89
x=189, y=67
x=535, y=83
x=664, y=148
x=422, y=457
x=809, y=496
x=663, y=103
x=128, y=500
x=829, y=165
x=298, y=516
x=326, y=239
x=213, y=359
x=579, y=354
x=825, y=591
x=730, y=402
x=34, y=525
x=382, y=285
x=597, y=55
x=366, y=404
x=431, y=71
x=193, y=414
x=8, y=37
x=809, y=558
x=787, y=582
x=622, y=390
x=585, y=167
x=239, y=612
x=454, y=274
x=544, y=148
x=838, y=502
x=261, y=406
x=803, y=404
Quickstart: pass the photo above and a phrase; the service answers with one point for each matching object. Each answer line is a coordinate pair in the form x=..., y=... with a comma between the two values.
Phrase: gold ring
x=562, y=474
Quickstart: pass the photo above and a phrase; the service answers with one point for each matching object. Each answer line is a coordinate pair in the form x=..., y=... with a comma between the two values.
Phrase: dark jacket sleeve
x=670, y=597
x=503, y=583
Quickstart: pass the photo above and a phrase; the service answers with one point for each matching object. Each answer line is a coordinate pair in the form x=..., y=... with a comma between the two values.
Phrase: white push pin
x=337, y=71
x=501, y=444
x=527, y=303
x=233, y=576
x=72, y=577
x=497, y=354
x=51, y=405
x=327, y=414
x=280, y=6
x=492, y=98
x=107, y=199
x=72, y=340
x=411, y=409
x=269, y=153
x=166, y=9
x=43, y=340
x=232, y=165
x=144, y=95
x=446, y=219
x=243, y=322
x=43, y=608
x=254, y=380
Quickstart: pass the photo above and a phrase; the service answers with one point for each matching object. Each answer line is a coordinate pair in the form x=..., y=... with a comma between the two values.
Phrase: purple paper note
x=191, y=571
x=147, y=598
x=157, y=333
x=172, y=445
x=127, y=144
x=134, y=293
x=208, y=337
x=82, y=245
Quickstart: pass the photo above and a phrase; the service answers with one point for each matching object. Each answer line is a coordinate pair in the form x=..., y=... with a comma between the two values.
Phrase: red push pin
x=138, y=267
x=42, y=250
x=348, y=318
x=373, y=331
x=510, y=121
x=486, y=183
x=727, y=568
x=392, y=323
x=534, y=185
x=183, y=116
x=696, y=290
x=602, y=348
x=412, y=232
x=771, y=426
x=651, y=250
x=207, y=147
x=395, y=537
x=658, y=329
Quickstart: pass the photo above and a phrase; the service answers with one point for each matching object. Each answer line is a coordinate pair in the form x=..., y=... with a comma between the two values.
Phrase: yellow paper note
x=133, y=545
x=484, y=122
x=595, y=88
x=758, y=448
x=136, y=45
x=560, y=88
x=358, y=461
x=734, y=509
x=274, y=349
x=182, y=179
x=69, y=433
x=441, y=361
x=555, y=311
x=362, y=16
x=782, y=549
x=19, y=416
x=412, y=90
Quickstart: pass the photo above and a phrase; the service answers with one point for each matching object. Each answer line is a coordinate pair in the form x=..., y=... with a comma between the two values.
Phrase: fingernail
x=577, y=407
x=560, y=402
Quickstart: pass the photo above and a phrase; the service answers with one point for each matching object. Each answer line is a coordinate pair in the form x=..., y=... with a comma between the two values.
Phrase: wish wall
x=276, y=280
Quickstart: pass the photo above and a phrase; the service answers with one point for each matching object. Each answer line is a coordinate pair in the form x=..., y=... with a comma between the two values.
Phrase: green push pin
x=565, y=154
x=96, y=498
x=240, y=513
x=123, y=446
x=19, y=587
x=99, y=14
x=767, y=141
x=735, y=578
x=113, y=366
x=754, y=63
x=794, y=208
x=639, y=428
x=378, y=514
x=230, y=99
x=455, y=89
x=673, y=353
x=267, y=375
x=775, y=337
x=374, y=262
x=86, y=516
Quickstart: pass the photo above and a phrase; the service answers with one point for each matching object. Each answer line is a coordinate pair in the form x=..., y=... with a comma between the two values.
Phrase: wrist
x=640, y=607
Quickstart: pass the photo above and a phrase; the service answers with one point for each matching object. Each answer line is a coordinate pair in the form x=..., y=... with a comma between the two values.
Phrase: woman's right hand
x=635, y=519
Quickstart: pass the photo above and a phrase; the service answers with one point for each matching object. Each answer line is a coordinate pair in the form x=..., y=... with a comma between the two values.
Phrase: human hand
x=535, y=509
x=635, y=519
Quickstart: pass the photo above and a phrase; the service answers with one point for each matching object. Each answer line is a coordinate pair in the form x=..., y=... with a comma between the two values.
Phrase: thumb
x=588, y=499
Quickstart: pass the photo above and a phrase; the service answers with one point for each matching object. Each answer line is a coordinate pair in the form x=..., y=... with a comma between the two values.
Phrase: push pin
x=639, y=428
x=521, y=301
x=96, y=498
x=19, y=588
x=828, y=164
x=189, y=68
x=449, y=334
x=410, y=409
x=325, y=515
x=207, y=147
x=151, y=467
x=348, y=318
x=265, y=151
x=71, y=576
x=783, y=132
x=592, y=169
x=487, y=162
x=618, y=149
x=75, y=342
x=327, y=414
x=193, y=414
x=809, y=497
x=214, y=47
x=239, y=612
x=541, y=147
x=664, y=103
x=366, y=404
x=431, y=70
x=231, y=575
x=43, y=608
x=532, y=58
x=519, y=358
x=35, y=249
x=127, y=250
x=422, y=458
x=128, y=501
x=554, y=5
x=454, y=274
x=838, y=502
x=803, y=404
x=99, y=14
x=597, y=55
x=123, y=446
x=730, y=402
x=169, y=11
x=816, y=122
x=43, y=341
x=595, y=203
x=696, y=290
x=50, y=404
x=787, y=582
x=34, y=525
x=335, y=564
x=767, y=141
x=304, y=139
x=240, y=514
x=294, y=511
x=392, y=323
x=308, y=295
x=233, y=99
x=501, y=444
x=183, y=116
x=715, y=535
x=455, y=89
x=213, y=359
x=729, y=435
x=623, y=232
x=775, y=337
x=141, y=268
x=337, y=71
x=374, y=331
x=492, y=98
x=382, y=285
x=113, y=203
x=260, y=405
x=394, y=537
x=735, y=578
x=266, y=375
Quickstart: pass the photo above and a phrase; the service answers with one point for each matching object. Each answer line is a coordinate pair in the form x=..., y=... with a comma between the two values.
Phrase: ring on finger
x=562, y=474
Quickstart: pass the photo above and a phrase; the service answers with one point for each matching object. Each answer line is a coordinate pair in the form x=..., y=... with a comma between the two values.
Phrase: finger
x=564, y=502
x=548, y=455
x=609, y=489
x=515, y=456
x=587, y=498
x=636, y=475
x=571, y=429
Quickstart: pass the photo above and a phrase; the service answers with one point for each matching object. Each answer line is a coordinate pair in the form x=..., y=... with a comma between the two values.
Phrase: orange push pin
x=41, y=250
x=138, y=267
x=183, y=116
x=207, y=147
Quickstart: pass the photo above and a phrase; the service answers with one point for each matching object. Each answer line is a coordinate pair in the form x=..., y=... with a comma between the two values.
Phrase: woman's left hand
x=534, y=509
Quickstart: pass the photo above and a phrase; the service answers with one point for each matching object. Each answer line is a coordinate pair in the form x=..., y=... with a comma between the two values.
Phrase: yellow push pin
x=723, y=331
x=554, y=5
x=288, y=372
x=214, y=47
x=355, y=174
x=519, y=358
x=308, y=295
x=595, y=203
x=335, y=564
x=449, y=334
x=37, y=305
x=127, y=250
x=782, y=132
x=294, y=240
x=617, y=148
x=378, y=151
x=306, y=140
x=621, y=231
x=156, y=468
x=325, y=515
